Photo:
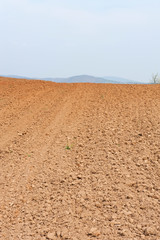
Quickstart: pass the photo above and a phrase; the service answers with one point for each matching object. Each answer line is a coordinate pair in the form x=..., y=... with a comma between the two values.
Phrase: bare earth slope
x=105, y=186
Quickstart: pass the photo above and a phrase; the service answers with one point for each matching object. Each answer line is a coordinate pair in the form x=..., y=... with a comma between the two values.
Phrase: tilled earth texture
x=79, y=161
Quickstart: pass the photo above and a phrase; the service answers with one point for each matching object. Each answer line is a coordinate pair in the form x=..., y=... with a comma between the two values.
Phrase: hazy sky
x=61, y=38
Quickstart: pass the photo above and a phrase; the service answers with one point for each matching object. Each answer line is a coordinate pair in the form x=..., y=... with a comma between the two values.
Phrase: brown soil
x=105, y=186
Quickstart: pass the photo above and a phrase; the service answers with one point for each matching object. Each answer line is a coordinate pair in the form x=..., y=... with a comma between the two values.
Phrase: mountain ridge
x=82, y=79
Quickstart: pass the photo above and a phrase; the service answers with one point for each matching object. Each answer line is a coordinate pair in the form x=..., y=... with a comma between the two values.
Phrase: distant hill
x=80, y=79
x=83, y=79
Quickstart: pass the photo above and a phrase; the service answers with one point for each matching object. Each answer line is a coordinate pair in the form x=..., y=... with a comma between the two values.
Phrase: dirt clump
x=79, y=161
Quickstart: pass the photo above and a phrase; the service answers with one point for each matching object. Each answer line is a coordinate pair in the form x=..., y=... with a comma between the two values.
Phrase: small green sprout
x=68, y=147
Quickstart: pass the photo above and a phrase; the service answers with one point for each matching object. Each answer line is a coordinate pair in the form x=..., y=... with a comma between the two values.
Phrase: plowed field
x=79, y=161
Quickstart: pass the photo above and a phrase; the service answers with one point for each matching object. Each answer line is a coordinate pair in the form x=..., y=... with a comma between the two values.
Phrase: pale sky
x=62, y=38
